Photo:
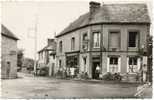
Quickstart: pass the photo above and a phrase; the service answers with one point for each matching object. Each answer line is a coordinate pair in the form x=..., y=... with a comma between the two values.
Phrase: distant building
x=47, y=57
x=9, y=54
x=109, y=36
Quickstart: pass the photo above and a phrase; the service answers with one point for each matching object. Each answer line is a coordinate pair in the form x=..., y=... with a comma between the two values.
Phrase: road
x=28, y=87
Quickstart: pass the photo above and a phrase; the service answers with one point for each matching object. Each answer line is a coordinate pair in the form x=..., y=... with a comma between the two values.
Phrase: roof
x=111, y=13
x=48, y=48
x=6, y=32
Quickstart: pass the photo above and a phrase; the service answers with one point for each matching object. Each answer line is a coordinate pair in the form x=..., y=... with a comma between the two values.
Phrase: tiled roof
x=6, y=32
x=112, y=13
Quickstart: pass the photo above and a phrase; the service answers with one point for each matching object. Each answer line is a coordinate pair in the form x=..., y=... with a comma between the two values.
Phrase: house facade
x=9, y=53
x=47, y=57
x=110, y=36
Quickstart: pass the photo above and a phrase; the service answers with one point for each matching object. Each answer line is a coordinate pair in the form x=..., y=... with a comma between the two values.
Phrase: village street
x=28, y=86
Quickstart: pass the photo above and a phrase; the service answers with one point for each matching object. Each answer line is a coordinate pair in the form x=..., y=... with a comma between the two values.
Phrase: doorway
x=94, y=74
x=8, y=69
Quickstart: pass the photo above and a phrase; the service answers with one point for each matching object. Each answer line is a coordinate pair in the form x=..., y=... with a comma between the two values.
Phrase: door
x=94, y=74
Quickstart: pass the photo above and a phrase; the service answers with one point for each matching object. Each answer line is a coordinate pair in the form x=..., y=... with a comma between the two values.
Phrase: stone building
x=9, y=53
x=110, y=36
x=47, y=57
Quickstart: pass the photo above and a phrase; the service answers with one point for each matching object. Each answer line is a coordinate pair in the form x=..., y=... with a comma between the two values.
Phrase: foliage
x=28, y=63
x=59, y=74
x=20, y=56
x=110, y=76
x=43, y=71
x=84, y=75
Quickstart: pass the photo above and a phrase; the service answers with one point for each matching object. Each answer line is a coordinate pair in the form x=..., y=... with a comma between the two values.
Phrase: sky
x=50, y=17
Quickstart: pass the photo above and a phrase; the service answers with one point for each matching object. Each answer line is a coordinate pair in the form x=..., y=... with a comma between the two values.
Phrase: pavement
x=29, y=87
x=144, y=91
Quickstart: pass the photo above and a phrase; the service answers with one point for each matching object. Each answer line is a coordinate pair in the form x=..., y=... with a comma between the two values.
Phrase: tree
x=20, y=56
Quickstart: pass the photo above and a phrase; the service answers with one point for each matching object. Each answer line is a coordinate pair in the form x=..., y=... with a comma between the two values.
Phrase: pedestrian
x=72, y=71
x=97, y=72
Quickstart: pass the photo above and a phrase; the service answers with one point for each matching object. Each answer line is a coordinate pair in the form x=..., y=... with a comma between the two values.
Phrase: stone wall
x=9, y=54
x=104, y=29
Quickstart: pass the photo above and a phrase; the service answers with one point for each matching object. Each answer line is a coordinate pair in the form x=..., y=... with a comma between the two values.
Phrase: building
x=47, y=57
x=109, y=36
x=9, y=53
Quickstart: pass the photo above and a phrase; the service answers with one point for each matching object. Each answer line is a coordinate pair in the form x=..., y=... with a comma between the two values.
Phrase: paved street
x=43, y=87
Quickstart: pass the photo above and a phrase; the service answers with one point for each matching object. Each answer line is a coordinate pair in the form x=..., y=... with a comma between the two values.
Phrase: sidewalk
x=144, y=91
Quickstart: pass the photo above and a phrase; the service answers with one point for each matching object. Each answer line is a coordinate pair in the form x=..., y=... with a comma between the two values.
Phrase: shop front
x=72, y=62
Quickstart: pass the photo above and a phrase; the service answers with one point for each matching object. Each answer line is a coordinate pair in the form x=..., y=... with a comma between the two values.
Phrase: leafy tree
x=20, y=56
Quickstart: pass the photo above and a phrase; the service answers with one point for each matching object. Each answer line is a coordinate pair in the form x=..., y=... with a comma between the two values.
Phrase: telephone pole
x=35, y=30
x=35, y=44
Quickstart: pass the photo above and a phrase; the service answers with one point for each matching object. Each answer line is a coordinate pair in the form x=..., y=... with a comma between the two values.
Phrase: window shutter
x=114, y=40
x=107, y=64
x=119, y=64
x=127, y=64
x=138, y=63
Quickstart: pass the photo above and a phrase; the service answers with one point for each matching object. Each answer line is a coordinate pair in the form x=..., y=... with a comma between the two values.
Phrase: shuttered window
x=114, y=40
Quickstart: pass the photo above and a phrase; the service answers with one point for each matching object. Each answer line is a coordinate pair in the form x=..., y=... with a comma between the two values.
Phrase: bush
x=109, y=76
x=117, y=77
x=84, y=75
x=44, y=71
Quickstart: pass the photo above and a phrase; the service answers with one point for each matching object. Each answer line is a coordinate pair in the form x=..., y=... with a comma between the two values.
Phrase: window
x=84, y=37
x=85, y=61
x=132, y=65
x=54, y=56
x=60, y=64
x=96, y=39
x=72, y=43
x=60, y=46
x=113, y=60
x=132, y=41
x=113, y=65
x=114, y=41
x=47, y=57
x=132, y=61
x=85, y=41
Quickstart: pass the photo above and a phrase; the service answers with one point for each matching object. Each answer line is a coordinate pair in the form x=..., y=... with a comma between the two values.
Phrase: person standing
x=97, y=71
x=72, y=72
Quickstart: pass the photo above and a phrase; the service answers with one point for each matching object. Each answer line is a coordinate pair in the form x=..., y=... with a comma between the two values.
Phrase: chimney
x=50, y=41
x=94, y=6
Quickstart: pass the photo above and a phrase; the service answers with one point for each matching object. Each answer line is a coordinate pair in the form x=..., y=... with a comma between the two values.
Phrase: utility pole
x=35, y=29
x=35, y=43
